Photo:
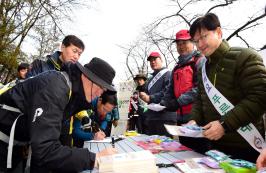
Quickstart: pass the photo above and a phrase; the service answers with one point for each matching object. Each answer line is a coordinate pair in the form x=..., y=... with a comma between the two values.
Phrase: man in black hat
x=140, y=81
x=36, y=108
x=138, y=119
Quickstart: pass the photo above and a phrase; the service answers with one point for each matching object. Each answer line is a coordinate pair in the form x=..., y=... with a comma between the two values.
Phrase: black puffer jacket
x=45, y=102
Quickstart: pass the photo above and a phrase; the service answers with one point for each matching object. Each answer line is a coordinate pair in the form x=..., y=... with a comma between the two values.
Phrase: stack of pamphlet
x=137, y=162
x=194, y=165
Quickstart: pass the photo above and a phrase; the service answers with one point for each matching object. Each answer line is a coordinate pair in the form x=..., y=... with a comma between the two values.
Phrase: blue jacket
x=156, y=94
x=80, y=134
x=38, y=66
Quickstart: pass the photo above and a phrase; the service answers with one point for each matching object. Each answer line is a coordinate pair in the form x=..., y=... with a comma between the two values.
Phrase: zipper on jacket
x=214, y=81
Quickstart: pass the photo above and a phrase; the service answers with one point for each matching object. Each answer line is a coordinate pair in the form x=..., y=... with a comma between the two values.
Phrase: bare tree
x=160, y=33
x=19, y=17
x=47, y=39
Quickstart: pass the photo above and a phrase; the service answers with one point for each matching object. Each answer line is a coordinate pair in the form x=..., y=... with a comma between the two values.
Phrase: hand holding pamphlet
x=155, y=107
x=185, y=130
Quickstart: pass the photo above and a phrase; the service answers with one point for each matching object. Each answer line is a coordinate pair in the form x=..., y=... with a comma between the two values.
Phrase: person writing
x=32, y=113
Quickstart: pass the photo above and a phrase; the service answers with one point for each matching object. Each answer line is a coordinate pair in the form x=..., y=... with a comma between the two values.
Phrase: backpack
x=11, y=120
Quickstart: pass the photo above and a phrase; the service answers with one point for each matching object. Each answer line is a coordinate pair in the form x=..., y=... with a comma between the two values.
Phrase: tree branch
x=243, y=39
x=227, y=2
x=245, y=25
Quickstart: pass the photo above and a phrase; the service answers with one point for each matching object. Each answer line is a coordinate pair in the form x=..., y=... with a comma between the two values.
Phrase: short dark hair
x=109, y=97
x=23, y=66
x=72, y=39
x=209, y=21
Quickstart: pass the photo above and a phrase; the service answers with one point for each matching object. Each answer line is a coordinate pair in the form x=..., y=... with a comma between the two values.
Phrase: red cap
x=153, y=54
x=182, y=35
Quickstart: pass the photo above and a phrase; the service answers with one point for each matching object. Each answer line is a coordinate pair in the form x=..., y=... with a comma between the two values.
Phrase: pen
x=113, y=142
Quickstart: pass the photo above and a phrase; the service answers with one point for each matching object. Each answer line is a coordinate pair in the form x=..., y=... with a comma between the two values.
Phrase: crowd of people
x=55, y=105
x=213, y=85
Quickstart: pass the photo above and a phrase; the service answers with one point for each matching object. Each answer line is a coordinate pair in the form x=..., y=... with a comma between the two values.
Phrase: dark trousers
x=108, y=129
x=140, y=124
x=202, y=145
x=133, y=125
x=156, y=127
x=248, y=154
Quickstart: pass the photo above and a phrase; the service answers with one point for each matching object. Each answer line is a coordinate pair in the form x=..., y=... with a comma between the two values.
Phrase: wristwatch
x=224, y=125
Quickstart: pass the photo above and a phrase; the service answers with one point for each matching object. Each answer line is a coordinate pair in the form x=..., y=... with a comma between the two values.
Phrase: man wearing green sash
x=232, y=92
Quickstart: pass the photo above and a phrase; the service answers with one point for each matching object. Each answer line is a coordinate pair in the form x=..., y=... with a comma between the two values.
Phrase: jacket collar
x=55, y=60
x=219, y=53
x=77, y=100
x=157, y=71
x=184, y=59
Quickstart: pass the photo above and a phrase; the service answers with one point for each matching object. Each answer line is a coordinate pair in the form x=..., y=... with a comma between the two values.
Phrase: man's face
x=91, y=89
x=156, y=63
x=208, y=41
x=103, y=109
x=22, y=73
x=140, y=81
x=184, y=47
x=70, y=53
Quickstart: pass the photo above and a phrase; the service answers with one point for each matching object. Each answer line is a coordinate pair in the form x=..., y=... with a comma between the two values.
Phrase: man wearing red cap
x=154, y=91
x=182, y=89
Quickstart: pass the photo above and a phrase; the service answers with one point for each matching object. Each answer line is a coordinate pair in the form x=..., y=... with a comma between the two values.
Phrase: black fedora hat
x=99, y=72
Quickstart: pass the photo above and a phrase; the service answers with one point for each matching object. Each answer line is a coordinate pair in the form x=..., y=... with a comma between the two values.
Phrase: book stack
x=133, y=162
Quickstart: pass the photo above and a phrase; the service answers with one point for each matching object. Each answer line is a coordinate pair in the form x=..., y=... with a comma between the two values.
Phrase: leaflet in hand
x=155, y=107
x=186, y=130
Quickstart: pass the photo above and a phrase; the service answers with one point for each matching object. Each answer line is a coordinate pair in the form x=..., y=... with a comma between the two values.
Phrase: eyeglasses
x=201, y=38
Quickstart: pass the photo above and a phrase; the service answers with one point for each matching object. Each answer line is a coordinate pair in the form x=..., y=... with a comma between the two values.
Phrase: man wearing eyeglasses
x=103, y=109
x=232, y=92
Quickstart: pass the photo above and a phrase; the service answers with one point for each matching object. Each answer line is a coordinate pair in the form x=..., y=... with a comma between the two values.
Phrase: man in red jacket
x=182, y=90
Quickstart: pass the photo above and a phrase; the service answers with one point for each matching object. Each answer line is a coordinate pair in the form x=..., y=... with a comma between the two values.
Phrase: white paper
x=175, y=130
x=105, y=140
x=155, y=107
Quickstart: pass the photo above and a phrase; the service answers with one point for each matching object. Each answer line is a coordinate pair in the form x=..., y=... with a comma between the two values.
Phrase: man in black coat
x=43, y=103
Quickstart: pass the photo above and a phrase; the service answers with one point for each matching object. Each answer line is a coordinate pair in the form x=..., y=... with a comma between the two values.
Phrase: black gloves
x=95, y=127
x=171, y=105
x=88, y=125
